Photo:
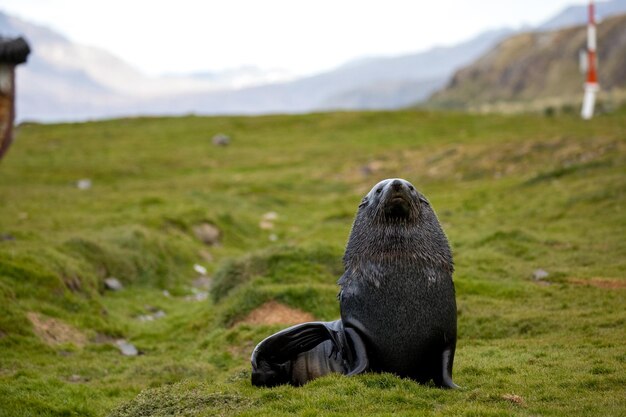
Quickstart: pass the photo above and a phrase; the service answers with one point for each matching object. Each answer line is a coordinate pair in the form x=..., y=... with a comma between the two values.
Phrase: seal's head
x=391, y=200
x=394, y=220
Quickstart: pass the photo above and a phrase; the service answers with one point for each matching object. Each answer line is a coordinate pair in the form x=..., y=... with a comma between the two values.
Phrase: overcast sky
x=301, y=36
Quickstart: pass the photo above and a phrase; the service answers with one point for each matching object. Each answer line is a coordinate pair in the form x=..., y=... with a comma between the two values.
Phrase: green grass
x=514, y=194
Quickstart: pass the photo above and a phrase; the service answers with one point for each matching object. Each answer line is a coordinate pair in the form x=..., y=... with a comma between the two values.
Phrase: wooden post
x=12, y=53
x=7, y=106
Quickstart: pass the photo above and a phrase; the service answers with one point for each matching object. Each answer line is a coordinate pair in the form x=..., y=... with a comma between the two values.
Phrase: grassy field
x=514, y=194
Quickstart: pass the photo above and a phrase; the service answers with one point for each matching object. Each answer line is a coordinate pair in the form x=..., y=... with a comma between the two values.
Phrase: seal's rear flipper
x=298, y=354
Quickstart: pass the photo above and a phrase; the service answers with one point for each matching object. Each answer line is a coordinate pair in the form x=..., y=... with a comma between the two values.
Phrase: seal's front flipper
x=272, y=359
x=444, y=378
x=288, y=343
x=356, y=353
x=307, y=351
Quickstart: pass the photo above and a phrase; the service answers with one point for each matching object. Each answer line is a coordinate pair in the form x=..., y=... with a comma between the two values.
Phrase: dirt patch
x=274, y=312
x=610, y=284
x=55, y=332
x=515, y=399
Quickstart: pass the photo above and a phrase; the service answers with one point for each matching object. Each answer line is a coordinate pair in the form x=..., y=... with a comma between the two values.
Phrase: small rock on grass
x=199, y=269
x=207, y=233
x=113, y=284
x=126, y=348
x=221, y=140
x=83, y=184
x=540, y=274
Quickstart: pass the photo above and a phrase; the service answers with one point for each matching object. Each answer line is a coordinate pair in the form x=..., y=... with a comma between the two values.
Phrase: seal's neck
x=397, y=242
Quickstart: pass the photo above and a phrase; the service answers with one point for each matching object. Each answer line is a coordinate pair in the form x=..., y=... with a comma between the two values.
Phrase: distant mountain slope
x=421, y=72
x=538, y=65
x=385, y=95
x=577, y=15
x=395, y=82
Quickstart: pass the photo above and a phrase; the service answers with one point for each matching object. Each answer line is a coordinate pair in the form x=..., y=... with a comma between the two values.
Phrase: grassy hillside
x=535, y=69
x=514, y=194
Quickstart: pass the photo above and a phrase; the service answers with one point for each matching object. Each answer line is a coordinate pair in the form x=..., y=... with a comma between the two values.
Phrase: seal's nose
x=396, y=185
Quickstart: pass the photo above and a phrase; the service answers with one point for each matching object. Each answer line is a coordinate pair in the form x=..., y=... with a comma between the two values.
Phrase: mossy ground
x=514, y=193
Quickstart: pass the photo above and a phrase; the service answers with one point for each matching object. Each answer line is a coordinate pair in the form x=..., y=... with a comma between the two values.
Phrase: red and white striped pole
x=591, y=85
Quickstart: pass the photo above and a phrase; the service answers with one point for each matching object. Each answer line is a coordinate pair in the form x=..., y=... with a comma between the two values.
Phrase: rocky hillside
x=538, y=65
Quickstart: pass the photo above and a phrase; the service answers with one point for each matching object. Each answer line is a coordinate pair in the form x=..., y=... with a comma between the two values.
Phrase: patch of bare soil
x=274, y=312
x=55, y=332
x=610, y=284
x=516, y=399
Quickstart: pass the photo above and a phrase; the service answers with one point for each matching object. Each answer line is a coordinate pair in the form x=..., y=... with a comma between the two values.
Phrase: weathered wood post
x=12, y=53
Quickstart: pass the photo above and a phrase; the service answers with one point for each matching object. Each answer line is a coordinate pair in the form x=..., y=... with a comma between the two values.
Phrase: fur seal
x=397, y=301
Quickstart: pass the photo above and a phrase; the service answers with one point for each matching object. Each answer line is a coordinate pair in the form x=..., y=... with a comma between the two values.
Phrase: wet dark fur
x=397, y=288
x=398, y=309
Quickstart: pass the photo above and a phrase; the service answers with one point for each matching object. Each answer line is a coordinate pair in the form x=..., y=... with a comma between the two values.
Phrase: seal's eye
x=411, y=188
x=379, y=190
